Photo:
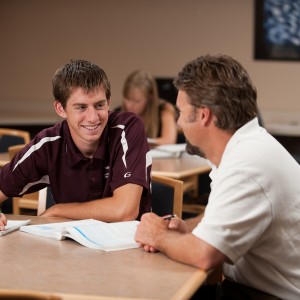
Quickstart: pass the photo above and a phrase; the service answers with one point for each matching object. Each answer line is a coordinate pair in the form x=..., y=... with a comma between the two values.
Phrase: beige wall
x=38, y=36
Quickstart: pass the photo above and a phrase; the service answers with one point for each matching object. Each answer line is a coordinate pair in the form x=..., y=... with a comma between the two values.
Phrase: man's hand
x=3, y=221
x=178, y=225
x=152, y=227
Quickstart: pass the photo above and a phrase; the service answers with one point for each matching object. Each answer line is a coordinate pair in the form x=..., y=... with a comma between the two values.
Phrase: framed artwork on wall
x=277, y=29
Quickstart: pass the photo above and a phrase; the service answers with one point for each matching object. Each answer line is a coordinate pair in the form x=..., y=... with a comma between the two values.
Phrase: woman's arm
x=168, y=126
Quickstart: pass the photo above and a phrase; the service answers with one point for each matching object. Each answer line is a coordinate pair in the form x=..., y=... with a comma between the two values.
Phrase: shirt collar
x=74, y=156
x=241, y=132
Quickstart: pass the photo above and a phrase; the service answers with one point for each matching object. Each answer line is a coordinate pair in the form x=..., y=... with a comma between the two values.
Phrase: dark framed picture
x=277, y=29
x=166, y=89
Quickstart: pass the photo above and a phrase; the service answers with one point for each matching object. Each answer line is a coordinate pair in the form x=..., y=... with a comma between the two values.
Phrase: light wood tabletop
x=180, y=167
x=186, y=168
x=71, y=271
x=4, y=159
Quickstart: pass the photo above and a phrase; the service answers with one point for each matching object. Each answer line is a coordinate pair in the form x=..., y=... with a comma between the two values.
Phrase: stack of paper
x=171, y=150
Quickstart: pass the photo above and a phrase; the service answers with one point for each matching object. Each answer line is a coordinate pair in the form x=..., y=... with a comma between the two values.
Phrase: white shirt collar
x=244, y=130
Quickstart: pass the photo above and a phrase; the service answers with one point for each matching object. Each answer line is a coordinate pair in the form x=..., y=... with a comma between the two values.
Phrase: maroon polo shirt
x=52, y=159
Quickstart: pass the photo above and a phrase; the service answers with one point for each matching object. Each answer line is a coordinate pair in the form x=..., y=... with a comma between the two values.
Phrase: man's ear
x=205, y=114
x=59, y=109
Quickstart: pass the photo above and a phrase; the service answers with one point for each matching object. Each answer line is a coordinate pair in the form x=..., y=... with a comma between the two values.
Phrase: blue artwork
x=278, y=29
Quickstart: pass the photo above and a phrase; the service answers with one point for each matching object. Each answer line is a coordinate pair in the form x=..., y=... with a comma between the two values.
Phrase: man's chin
x=193, y=150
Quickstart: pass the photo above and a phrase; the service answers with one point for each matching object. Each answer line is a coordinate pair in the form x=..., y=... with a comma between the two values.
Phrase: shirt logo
x=106, y=174
x=128, y=174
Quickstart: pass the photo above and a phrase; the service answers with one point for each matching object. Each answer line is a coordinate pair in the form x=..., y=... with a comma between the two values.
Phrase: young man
x=251, y=222
x=96, y=162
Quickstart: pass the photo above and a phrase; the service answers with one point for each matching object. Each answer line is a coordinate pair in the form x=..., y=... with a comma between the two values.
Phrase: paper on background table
x=170, y=150
x=173, y=148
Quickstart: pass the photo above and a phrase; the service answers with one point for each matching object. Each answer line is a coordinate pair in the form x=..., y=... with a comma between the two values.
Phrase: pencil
x=169, y=217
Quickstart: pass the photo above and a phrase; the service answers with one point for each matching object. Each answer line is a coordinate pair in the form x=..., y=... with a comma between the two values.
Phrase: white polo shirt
x=253, y=213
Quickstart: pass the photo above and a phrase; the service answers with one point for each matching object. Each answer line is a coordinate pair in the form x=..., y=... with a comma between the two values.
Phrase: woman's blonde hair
x=145, y=81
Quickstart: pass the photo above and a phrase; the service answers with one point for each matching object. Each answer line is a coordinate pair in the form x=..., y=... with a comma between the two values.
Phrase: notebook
x=13, y=225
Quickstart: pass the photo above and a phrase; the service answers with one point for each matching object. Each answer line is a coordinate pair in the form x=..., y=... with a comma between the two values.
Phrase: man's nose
x=92, y=114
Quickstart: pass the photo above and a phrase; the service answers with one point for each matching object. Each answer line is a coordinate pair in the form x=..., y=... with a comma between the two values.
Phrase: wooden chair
x=13, y=150
x=28, y=201
x=45, y=200
x=167, y=195
x=10, y=137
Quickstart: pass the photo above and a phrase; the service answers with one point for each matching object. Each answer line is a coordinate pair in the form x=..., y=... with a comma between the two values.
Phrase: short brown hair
x=78, y=73
x=220, y=83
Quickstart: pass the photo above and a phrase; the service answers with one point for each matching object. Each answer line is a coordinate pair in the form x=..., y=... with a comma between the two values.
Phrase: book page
x=54, y=230
x=13, y=225
x=105, y=236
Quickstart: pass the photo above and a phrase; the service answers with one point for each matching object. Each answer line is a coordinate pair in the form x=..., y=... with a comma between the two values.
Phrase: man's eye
x=100, y=106
x=80, y=107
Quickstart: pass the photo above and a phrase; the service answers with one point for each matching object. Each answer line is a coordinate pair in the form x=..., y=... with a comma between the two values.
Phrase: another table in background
x=174, y=162
x=71, y=271
x=183, y=167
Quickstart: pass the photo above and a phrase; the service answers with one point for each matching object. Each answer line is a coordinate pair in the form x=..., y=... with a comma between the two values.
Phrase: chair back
x=45, y=200
x=13, y=150
x=167, y=195
x=10, y=137
x=28, y=201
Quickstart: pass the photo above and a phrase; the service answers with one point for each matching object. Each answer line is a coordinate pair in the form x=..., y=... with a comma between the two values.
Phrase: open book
x=13, y=225
x=90, y=233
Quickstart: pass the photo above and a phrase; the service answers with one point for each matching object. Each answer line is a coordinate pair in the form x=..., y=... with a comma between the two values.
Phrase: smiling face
x=136, y=101
x=87, y=116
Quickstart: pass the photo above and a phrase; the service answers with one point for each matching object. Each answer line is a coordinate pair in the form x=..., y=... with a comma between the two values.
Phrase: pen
x=169, y=217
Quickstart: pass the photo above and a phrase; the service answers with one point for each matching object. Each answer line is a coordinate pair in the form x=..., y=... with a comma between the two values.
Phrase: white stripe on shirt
x=123, y=143
x=36, y=147
x=44, y=179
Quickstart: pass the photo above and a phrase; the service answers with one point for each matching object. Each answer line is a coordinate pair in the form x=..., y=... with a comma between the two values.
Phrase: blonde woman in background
x=159, y=116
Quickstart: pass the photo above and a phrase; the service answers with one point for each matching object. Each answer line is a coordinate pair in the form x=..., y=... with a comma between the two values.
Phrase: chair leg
x=16, y=208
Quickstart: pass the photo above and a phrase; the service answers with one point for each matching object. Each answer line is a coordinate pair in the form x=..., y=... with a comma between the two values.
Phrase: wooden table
x=186, y=168
x=67, y=269
x=4, y=159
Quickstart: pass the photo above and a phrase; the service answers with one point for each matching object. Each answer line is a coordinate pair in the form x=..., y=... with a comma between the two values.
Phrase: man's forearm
x=107, y=210
x=2, y=197
x=193, y=222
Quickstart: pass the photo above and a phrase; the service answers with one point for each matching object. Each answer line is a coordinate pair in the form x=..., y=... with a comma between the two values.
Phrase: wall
x=38, y=36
